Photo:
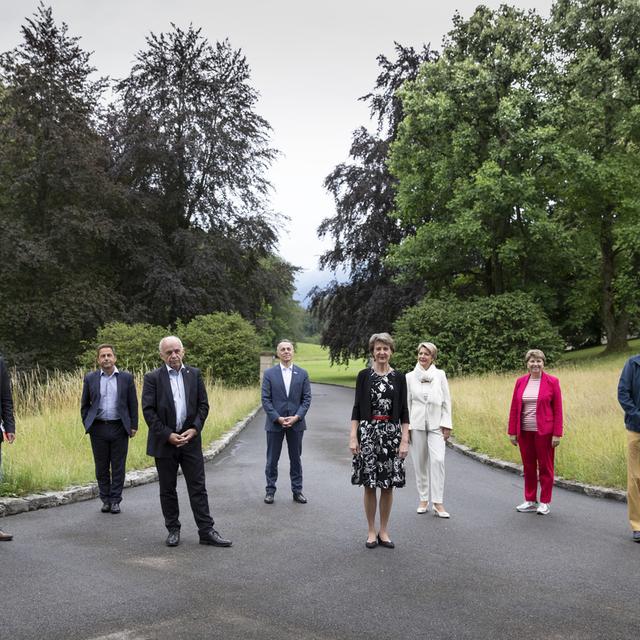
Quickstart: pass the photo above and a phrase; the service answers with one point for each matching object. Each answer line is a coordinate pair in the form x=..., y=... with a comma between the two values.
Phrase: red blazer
x=548, y=407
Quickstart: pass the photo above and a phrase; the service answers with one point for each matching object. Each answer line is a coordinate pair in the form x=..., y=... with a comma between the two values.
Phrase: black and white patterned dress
x=378, y=464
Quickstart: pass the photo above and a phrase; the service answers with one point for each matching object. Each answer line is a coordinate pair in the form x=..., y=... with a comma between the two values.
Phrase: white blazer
x=436, y=411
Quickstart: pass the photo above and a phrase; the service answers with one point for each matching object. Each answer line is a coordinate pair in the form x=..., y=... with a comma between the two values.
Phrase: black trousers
x=190, y=459
x=110, y=444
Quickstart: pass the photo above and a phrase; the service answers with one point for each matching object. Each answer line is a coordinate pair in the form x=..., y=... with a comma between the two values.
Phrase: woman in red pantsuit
x=535, y=424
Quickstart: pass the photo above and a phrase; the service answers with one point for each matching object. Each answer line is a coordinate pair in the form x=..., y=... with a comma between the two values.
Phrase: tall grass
x=594, y=443
x=51, y=449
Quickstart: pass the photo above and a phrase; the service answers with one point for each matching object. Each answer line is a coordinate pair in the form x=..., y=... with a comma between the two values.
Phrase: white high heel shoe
x=422, y=509
x=440, y=514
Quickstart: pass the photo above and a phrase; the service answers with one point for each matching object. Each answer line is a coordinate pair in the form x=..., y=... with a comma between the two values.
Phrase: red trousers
x=537, y=460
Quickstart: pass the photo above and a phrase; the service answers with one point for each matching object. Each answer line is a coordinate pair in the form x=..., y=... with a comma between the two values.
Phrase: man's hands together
x=180, y=439
x=289, y=421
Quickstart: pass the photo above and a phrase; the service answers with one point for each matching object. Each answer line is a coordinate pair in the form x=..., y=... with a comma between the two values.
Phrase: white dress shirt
x=179, y=397
x=287, y=372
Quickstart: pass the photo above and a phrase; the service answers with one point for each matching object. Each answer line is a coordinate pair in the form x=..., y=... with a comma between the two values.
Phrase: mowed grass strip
x=51, y=451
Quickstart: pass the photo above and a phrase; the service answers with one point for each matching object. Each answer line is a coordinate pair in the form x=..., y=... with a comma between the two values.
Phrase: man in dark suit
x=175, y=407
x=109, y=410
x=7, y=421
x=286, y=397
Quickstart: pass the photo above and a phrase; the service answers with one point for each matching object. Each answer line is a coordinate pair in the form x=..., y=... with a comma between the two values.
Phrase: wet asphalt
x=302, y=571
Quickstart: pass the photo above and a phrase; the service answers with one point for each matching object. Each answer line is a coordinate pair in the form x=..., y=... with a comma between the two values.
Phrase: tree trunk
x=614, y=321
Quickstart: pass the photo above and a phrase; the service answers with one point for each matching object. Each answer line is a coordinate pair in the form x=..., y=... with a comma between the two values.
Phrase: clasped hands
x=288, y=421
x=180, y=439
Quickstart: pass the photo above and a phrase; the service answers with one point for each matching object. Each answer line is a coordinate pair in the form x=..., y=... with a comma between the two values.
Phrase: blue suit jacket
x=127, y=400
x=276, y=403
x=629, y=393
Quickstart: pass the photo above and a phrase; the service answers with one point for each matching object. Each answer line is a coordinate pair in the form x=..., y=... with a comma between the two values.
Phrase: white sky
x=310, y=61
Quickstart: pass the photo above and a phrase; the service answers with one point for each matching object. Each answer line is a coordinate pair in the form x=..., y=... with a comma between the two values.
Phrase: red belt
x=381, y=418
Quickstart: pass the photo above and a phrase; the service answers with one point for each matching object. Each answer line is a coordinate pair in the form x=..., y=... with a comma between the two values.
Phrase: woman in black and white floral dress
x=379, y=436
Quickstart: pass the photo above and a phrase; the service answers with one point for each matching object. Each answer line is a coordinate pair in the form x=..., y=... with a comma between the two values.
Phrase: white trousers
x=427, y=454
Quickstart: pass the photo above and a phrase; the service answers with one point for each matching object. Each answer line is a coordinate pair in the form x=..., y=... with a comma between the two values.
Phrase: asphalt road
x=302, y=571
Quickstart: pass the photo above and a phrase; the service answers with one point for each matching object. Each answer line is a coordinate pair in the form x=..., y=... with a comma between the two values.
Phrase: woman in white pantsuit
x=430, y=418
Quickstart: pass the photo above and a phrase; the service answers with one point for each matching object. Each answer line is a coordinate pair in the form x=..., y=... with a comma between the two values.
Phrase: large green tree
x=472, y=159
x=596, y=102
x=151, y=211
x=56, y=284
x=193, y=152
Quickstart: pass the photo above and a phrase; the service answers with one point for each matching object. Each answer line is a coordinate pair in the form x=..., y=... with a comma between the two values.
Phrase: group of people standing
x=393, y=415
x=174, y=406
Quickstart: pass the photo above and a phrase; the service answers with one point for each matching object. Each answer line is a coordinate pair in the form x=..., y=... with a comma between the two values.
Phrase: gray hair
x=430, y=347
x=169, y=338
x=385, y=338
x=535, y=353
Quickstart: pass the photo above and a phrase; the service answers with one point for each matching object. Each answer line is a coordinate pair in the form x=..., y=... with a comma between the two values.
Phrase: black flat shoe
x=268, y=499
x=386, y=543
x=371, y=545
x=105, y=508
x=299, y=497
x=115, y=508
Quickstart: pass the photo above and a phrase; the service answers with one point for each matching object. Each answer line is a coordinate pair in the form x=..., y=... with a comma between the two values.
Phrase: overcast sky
x=310, y=61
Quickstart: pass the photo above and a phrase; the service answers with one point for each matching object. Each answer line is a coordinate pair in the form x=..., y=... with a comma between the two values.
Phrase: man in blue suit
x=109, y=410
x=286, y=397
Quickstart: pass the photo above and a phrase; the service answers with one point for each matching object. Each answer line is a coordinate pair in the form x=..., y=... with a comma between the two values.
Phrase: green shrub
x=478, y=335
x=136, y=345
x=223, y=344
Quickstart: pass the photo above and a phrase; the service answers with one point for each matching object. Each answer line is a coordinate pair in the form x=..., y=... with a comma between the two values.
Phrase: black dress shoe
x=371, y=545
x=269, y=498
x=105, y=508
x=299, y=497
x=115, y=508
x=5, y=537
x=386, y=543
x=214, y=538
x=173, y=539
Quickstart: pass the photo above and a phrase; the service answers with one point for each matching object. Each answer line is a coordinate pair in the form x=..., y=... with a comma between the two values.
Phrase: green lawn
x=315, y=359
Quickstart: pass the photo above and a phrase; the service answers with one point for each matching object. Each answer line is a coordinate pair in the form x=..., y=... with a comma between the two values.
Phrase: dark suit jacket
x=160, y=412
x=6, y=400
x=127, y=400
x=362, y=404
x=276, y=403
